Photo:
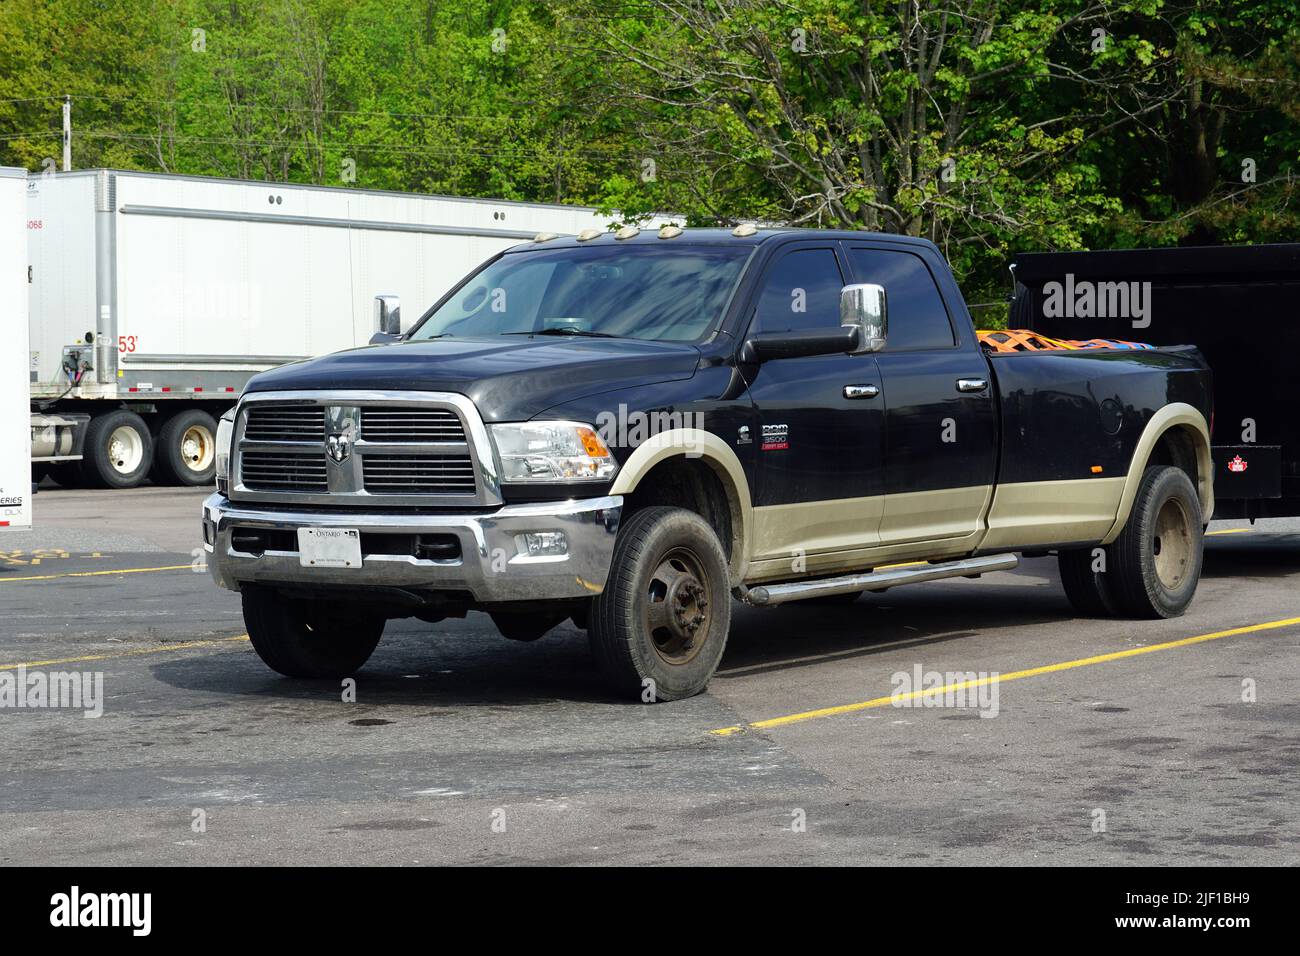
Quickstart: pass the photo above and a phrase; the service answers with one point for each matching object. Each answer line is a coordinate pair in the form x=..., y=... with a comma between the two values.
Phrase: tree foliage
x=989, y=126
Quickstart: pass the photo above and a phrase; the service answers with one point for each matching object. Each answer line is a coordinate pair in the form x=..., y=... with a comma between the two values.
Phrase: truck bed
x=1237, y=305
x=1074, y=418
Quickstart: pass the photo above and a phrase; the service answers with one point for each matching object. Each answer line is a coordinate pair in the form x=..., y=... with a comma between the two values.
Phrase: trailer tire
x=186, y=449
x=659, y=628
x=309, y=639
x=118, y=452
x=1155, y=563
x=1089, y=591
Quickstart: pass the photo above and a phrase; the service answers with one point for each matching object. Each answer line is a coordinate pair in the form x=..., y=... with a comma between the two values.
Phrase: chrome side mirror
x=388, y=314
x=863, y=306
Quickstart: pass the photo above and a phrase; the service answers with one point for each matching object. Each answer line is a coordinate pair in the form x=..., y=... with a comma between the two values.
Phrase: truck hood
x=509, y=378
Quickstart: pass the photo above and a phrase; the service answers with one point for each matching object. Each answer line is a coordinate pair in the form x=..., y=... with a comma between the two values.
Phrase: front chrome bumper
x=490, y=565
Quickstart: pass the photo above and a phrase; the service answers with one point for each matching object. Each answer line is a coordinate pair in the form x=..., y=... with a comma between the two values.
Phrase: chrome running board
x=766, y=595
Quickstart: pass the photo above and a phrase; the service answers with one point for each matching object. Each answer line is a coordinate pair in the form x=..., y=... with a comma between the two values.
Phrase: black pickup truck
x=629, y=429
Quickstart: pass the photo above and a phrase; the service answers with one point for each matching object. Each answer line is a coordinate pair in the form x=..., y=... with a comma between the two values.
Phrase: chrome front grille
x=285, y=423
x=411, y=475
x=411, y=425
x=381, y=448
x=278, y=471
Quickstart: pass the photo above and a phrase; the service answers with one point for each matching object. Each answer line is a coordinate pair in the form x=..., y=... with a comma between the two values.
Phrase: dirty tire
x=118, y=452
x=186, y=449
x=666, y=608
x=1155, y=563
x=309, y=639
x=1089, y=591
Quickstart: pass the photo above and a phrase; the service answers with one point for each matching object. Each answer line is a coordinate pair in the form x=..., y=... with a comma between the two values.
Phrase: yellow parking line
x=92, y=574
x=1230, y=531
x=1015, y=675
x=178, y=646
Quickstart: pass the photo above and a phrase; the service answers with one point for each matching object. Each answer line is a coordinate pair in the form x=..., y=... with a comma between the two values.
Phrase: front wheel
x=1155, y=563
x=659, y=628
x=309, y=639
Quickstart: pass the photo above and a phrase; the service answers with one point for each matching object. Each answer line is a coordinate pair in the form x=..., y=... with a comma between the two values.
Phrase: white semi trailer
x=15, y=472
x=155, y=297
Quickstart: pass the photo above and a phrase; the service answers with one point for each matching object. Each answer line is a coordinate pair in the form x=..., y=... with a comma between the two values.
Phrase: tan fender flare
x=696, y=443
x=1175, y=415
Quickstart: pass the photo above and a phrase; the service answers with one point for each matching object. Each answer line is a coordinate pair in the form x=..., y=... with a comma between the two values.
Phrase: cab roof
x=719, y=236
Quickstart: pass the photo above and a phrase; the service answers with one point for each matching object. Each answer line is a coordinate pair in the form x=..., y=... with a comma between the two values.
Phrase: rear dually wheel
x=1155, y=563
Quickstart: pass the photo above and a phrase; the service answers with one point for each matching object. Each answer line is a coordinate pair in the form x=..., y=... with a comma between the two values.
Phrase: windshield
x=642, y=292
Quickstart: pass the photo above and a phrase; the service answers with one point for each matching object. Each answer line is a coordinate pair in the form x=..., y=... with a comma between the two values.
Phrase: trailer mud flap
x=1247, y=471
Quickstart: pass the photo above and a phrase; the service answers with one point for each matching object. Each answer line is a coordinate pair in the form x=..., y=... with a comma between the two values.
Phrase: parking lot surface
x=1103, y=741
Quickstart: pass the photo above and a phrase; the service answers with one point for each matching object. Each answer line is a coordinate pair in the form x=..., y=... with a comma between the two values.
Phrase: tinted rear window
x=917, y=317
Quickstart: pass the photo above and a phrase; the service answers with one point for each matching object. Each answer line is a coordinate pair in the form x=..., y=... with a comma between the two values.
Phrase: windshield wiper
x=567, y=330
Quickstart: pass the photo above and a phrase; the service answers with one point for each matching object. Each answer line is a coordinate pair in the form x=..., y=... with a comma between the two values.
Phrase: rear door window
x=917, y=316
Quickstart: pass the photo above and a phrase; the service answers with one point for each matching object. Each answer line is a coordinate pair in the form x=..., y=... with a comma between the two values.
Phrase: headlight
x=225, y=436
x=552, y=451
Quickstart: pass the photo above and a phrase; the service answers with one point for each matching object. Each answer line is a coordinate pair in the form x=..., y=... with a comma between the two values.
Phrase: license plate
x=329, y=547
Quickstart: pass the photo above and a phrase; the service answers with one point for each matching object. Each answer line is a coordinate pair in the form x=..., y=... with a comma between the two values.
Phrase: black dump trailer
x=1239, y=304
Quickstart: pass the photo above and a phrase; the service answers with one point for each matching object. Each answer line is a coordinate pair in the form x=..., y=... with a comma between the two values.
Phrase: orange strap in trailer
x=1023, y=340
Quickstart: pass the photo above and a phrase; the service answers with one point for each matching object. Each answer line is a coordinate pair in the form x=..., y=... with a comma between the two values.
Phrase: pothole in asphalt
x=369, y=722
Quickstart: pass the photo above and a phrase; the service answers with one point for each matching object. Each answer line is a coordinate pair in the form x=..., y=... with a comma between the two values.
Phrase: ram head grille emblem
x=339, y=447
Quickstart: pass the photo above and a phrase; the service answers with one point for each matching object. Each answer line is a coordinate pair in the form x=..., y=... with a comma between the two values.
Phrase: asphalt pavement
x=1103, y=742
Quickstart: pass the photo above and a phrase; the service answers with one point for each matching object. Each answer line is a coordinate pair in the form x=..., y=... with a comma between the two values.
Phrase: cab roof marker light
x=744, y=229
x=546, y=236
x=587, y=234
x=627, y=232
x=670, y=232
